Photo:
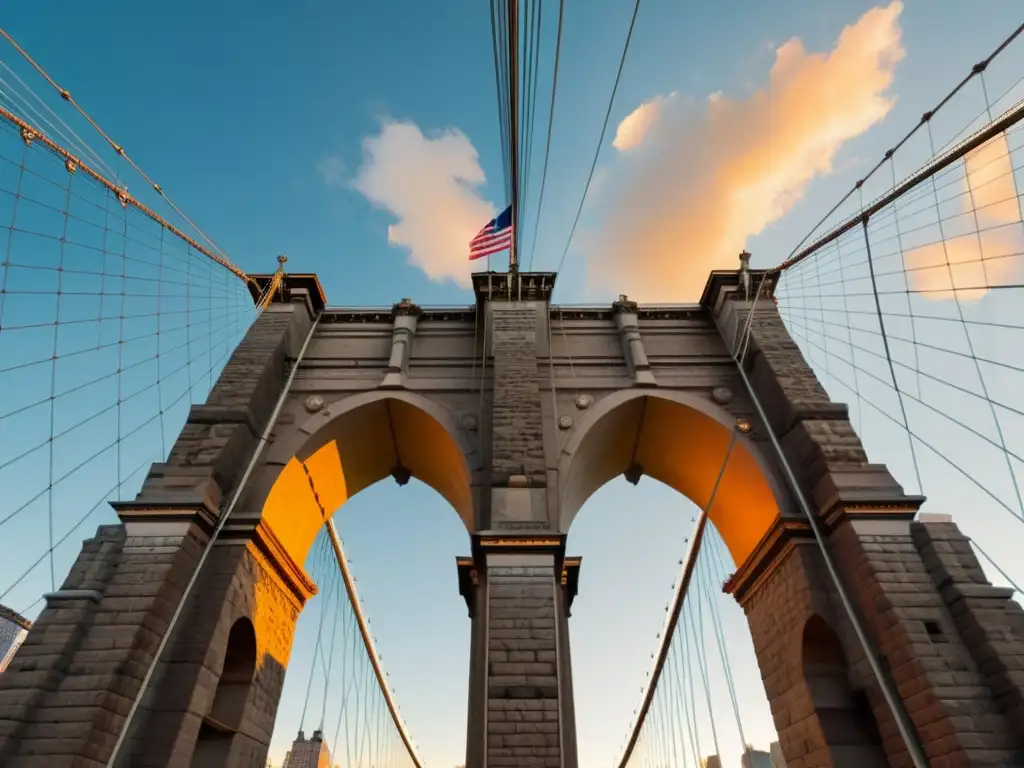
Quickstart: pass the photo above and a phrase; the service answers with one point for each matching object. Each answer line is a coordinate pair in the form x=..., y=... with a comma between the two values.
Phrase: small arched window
x=217, y=732
x=844, y=714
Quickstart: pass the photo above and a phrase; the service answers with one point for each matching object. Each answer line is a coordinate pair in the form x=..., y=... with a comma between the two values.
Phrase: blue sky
x=254, y=118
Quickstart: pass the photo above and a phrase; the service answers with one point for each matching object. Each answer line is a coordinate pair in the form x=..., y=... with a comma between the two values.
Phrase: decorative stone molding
x=291, y=574
x=405, y=315
x=625, y=313
x=202, y=516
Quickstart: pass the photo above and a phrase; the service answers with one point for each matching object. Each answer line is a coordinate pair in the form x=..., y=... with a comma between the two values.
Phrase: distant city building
x=778, y=759
x=308, y=754
x=714, y=761
x=756, y=758
x=13, y=630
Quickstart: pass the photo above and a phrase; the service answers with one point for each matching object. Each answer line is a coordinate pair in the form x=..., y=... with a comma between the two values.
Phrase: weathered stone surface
x=522, y=690
x=517, y=430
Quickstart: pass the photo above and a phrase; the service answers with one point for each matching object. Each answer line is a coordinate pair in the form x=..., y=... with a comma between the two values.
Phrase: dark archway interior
x=844, y=714
x=216, y=734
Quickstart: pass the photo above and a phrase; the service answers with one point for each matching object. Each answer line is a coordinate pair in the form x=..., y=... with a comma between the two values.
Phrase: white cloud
x=701, y=177
x=431, y=184
x=634, y=128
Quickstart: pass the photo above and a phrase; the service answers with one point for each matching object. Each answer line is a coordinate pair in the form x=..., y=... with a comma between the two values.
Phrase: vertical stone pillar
x=628, y=323
x=523, y=723
x=990, y=622
x=519, y=592
x=406, y=315
x=518, y=674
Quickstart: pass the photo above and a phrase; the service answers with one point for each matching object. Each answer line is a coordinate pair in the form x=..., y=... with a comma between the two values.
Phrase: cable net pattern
x=704, y=705
x=111, y=326
x=911, y=315
x=344, y=710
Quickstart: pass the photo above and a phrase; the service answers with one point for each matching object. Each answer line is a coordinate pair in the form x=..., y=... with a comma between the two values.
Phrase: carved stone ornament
x=468, y=422
x=721, y=395
x=564, y=422
x=584, y=401
x=314, y=403
x=406, y=307
x=624, y=304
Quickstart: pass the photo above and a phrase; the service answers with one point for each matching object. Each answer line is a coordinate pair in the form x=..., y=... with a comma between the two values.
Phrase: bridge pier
x=519, y=591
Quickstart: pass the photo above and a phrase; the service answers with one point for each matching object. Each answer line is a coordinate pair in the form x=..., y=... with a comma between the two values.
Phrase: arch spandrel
x=680, y=440
x=352, y=444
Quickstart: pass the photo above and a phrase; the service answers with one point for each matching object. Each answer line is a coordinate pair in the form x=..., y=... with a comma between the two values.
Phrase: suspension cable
x=30, y=133
x=66, y=95
x=604, y=130
x=683, y=585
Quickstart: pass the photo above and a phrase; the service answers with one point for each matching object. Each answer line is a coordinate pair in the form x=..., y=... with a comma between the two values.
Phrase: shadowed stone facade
x=515, y=411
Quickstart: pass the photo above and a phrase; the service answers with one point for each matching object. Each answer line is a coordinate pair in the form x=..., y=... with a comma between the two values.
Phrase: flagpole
x=513, y=48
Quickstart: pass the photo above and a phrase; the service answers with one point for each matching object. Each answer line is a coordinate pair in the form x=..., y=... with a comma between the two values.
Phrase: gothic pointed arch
x=681, y=440
x=352, y=444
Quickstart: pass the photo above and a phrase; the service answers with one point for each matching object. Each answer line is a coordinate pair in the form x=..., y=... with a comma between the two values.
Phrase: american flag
x=494, y=237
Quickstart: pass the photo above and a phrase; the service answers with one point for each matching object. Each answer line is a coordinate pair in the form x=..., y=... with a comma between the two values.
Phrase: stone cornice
x=773, y=549
x=722, y=281
x=522, y=286
x=385, y=316
x=624, y=304
x=202, y=515
x=292, y=574
x=406, y=308
x=778, y=543
x=265, y=543
x=305, y=287
x=905, y=509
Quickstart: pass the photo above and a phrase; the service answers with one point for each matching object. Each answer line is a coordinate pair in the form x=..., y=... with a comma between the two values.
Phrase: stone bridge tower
x=516, y=411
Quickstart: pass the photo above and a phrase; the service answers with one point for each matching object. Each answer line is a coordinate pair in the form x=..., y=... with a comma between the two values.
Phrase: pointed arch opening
x=844, y=714
x=224, y=720
x=355, y=443
x=680, y=440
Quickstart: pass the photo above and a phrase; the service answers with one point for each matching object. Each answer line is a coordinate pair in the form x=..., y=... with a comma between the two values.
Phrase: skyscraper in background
x=756, y=758
x=308, y=754
x=13, y=629
x=778, y=759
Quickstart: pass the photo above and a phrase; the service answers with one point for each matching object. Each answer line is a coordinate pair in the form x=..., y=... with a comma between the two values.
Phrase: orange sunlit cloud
x=696, y=180
x=988, y=253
